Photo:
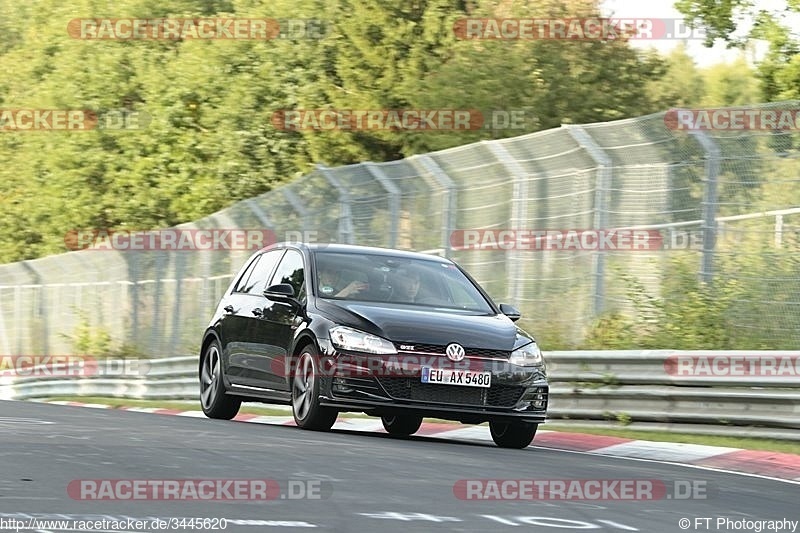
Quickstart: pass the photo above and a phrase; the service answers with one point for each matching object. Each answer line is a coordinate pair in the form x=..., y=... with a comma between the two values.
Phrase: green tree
x=680, y=83
x=208, y=139
x=779, y=69
x=730, y=84
x=407, y=56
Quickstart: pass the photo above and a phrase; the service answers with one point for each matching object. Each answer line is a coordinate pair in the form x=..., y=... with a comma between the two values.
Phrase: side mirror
x=280, y=292
x=510, y=311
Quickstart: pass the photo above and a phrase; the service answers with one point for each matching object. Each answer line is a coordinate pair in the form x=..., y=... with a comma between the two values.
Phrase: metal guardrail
x=636, y=388
x=654, y=388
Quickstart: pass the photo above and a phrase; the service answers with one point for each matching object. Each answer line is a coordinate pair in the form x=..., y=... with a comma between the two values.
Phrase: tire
x=213, y=398
x=401, y=425
x=516, y=435
x=308, y=413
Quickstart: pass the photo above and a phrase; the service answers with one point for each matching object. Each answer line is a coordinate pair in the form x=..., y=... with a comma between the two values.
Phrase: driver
x=330, y=280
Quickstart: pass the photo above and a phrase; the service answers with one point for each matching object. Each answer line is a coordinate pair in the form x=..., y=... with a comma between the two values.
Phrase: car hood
x=412, y=324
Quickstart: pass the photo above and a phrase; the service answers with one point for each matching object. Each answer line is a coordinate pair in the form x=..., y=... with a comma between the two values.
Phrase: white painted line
x=676, y=463
x=358, y=424
x=480, y=433
x=272, y=420
x=192, y=414
x=665, y=451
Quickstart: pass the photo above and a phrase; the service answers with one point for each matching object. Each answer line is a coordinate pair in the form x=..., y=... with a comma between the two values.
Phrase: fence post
x=131, y=336
x=345, y=213
x=6, y=347
x=297, y=204
x=450, y=199
x=94, y=313
x=263, y=219
x=38, y=310
x=394, y=199
x=179, y=265
x=259, y=213
x=710, y=202
x=603, y=185
x=18, y=318
x=519, y=214
x=156, y=334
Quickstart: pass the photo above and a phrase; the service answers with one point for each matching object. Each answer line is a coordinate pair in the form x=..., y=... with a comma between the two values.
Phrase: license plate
x=465, y=378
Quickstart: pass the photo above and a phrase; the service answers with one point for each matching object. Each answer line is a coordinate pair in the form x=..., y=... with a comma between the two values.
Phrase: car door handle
x=229, y=308
x=258, y=312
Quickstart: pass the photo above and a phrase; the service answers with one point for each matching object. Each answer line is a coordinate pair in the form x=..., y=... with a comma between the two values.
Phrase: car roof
x=357, y=249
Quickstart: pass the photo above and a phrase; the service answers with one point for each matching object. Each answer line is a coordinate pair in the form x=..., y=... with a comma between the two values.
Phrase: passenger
x=408, y=285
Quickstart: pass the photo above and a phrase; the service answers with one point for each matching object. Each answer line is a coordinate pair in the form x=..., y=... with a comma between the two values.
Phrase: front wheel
x=515, y=435
x=402, y=425
x=308, y=413
x=213, y=399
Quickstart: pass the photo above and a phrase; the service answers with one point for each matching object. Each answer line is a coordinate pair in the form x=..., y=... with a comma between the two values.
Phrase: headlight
x=352, y=340
x=528, y=355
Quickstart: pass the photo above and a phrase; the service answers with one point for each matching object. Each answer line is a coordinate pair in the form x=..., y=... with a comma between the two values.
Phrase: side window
x=258, y=280
x=291, y=271
x=242, y=283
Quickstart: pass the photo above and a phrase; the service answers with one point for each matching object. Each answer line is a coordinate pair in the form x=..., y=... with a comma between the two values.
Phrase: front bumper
x=392, y=385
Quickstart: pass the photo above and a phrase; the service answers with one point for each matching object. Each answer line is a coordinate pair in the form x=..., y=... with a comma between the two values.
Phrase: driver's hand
x=354, y=287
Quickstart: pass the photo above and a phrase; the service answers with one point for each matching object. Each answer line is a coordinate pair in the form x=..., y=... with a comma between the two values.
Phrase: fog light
x=540, y=400
x=340, y=385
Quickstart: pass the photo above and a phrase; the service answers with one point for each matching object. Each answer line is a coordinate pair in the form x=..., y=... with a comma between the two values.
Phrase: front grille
x=413, y=389
x=491, y=354
x=438, y=349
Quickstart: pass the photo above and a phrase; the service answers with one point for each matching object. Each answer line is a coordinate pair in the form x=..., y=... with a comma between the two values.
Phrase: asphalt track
x=370, y=482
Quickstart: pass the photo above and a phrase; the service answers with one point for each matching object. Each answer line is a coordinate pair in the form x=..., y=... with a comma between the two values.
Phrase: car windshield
x=396, y=279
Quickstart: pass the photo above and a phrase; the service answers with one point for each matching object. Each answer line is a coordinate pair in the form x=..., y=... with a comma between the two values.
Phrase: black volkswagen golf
x=400, y=335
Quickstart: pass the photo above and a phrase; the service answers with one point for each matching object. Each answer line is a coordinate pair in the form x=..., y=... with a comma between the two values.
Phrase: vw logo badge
x=455, y=352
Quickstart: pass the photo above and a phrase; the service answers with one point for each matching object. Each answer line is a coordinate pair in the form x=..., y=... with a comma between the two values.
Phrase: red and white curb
x=783, y=466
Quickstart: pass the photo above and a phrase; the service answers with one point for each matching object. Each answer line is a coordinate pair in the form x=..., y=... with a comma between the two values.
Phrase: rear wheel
x=515, y=435
x=308, y=413
x=403, y=425
x=213, y=399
